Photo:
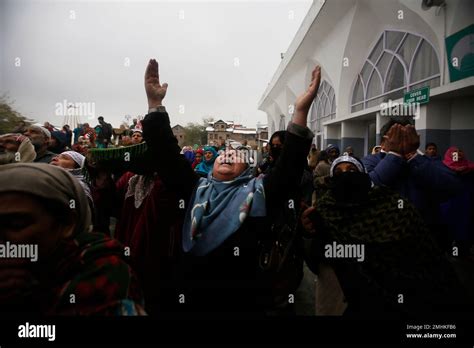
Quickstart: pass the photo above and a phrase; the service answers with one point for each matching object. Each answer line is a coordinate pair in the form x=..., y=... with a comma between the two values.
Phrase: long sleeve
x=285, y=177
x=434, y=177
x=164, y=156
x=385, y=172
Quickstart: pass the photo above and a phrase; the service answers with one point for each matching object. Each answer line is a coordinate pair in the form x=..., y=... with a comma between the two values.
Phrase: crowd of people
x=144, y=227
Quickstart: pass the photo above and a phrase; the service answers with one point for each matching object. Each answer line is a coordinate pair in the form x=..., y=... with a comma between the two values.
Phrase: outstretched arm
x=163, y=149
x=285, y=177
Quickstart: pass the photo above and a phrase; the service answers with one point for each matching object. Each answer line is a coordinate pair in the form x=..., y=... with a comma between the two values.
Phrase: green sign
x=460, y=51
x=420, y=96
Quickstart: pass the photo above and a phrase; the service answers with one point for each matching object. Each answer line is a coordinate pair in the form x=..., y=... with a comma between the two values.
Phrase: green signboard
x=460, y=51
x=420, y=96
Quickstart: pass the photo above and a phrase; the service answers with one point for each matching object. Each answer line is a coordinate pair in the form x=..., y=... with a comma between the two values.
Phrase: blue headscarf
x=218, y=208
x=204, y=167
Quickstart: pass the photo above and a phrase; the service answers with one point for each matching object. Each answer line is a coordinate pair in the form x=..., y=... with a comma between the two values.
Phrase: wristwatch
x=160, y=108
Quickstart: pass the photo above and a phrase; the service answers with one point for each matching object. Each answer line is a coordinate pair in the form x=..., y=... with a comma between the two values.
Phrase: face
x=137, y=138
x=332, y=153
x=431, y=151
x=276, y=142
x=64, y=161
x=345, y=167
x=24, y=219
x=208, y=155
x=37, y=137
x=198, y=157
x=229, y=165
x=8, y=148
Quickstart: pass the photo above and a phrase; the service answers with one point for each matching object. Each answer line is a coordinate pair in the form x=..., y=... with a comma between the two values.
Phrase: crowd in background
x=199, y=230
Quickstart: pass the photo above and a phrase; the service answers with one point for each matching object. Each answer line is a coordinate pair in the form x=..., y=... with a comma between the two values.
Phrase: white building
x=372, y=51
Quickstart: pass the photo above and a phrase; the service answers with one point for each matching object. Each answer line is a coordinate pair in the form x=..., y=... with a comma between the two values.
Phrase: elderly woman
x=66, y=270
x=372, y=251
x=239, y=256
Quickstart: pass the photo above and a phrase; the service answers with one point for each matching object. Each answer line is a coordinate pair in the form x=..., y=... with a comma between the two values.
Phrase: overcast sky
x=217, y=56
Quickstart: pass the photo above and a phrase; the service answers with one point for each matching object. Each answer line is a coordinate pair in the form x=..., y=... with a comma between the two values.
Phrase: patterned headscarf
x=345, y=158
x=218, y=208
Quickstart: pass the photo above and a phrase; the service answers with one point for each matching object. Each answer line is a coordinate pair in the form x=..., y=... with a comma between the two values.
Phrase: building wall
x=340, y=37
x=178, y=132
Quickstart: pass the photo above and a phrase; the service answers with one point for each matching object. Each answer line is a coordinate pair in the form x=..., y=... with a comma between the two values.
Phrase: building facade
x=178, y=132
x=373, y=54
x=224, y=132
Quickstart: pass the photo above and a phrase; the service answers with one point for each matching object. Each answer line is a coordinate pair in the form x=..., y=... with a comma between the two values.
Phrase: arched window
x=282, y=123
x=324, y=107
x=398, y=63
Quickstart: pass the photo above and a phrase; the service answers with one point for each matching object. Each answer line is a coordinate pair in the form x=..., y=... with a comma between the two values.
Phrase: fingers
x=316, y=72
x=152, y=70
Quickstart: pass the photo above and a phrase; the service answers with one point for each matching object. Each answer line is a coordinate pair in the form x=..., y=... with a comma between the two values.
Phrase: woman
x=207, y=162
x=230, y=216
x=457, y=214
x=197, y=158
x=398, y=268
x=76, y=272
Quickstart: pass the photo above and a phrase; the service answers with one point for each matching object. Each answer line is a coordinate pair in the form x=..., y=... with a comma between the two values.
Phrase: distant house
x=220, y=132
x=178, y=132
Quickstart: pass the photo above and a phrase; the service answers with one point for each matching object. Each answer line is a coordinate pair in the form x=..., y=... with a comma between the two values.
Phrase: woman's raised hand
x=155, y=92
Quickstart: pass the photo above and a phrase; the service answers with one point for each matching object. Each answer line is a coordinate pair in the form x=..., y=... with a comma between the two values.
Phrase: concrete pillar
x=353, y=134
x=332, y=135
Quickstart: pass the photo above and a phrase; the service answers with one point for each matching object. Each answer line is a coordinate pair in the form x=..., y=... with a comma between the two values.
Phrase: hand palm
x=154, y=90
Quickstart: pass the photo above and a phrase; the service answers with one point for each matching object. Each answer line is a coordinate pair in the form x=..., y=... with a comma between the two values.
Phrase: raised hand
x=304, y=101
x=394, y=139
x=411, y=141
x=155, y=92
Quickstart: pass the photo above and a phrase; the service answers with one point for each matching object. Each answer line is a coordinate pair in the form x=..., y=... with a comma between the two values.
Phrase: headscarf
x=89, y=265
x=331, y=146
x=47, y=182
x=275, y=152
x=196, y=161
x=459, y=165
x=346, y=158
x=218, y=208
x=204, y=167
x=350, y=188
